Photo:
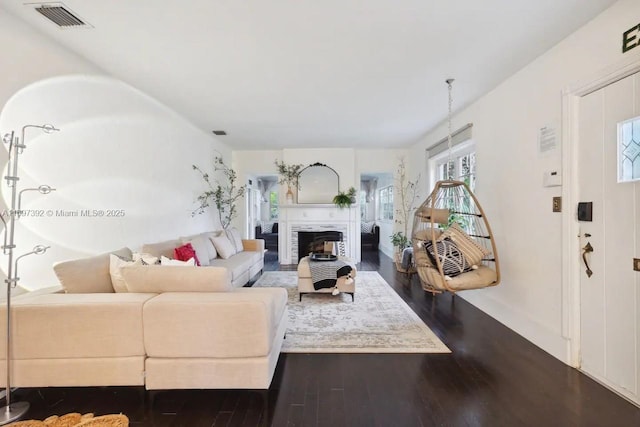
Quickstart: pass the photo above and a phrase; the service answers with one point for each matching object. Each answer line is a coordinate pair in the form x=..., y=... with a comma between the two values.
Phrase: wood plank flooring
x=494, y=377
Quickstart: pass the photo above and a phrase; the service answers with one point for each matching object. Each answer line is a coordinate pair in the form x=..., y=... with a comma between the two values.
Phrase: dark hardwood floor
x=493, y=377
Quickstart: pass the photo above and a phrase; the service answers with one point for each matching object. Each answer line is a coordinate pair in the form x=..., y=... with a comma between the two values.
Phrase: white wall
x=510, y=169
x=118, y=149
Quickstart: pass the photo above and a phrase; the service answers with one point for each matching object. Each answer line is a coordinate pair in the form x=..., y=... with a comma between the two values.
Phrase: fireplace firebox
x=313, y=241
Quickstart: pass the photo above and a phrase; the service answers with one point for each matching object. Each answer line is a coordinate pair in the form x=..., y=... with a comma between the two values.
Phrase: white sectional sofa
x=243, y=265
x=195, y=331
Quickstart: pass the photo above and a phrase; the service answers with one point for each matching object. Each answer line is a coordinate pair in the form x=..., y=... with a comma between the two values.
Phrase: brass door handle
x=587, y=249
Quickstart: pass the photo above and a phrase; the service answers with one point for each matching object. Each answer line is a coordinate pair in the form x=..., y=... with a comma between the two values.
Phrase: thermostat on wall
x=552, y=179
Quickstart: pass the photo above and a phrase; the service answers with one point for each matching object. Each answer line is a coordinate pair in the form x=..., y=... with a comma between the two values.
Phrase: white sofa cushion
x=237, y=264
x=88, y=275
x=58, y=326
x=238, y=324
x=162, y=278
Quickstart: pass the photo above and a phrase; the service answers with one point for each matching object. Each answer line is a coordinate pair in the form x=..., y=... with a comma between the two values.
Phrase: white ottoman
x=305, y=285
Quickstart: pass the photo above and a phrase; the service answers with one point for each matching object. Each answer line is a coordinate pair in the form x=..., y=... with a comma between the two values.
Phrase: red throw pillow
x=185, y=253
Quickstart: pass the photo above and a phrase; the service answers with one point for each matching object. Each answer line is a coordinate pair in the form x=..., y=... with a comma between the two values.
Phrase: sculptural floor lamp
x=13, y=411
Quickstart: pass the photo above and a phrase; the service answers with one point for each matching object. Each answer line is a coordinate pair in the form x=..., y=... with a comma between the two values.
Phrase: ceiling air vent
x=60, y=15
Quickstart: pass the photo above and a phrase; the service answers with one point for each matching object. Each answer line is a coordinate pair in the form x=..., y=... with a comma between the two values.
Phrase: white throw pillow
x=224, y=246
x=146, y=258
x=115, y=265
x=236, y=240
x=191, y=262
x=199, y=244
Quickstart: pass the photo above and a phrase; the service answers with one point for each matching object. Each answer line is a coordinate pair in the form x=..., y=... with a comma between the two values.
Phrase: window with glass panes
x=462, y=167
x=273, y=205
x=385, y=203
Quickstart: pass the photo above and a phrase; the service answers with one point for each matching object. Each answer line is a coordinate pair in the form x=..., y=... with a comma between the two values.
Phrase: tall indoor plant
x=289, y=176
x=405, y=204
x=222, y=193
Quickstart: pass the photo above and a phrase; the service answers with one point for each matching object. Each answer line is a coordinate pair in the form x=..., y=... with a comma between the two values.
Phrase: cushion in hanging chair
x=474, y=279
x=453, y=261
x=438, y=216
x=473, y=252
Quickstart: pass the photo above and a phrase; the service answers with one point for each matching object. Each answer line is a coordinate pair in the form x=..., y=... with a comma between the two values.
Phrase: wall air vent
x=60, y=15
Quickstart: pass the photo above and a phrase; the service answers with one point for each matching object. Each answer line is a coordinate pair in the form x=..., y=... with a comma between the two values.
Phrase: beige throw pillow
x=210, y=248
x=171, y=278
x=224, y=247
x=471, y=251
x=234, y=236
x=115, y=265
x=199, y=244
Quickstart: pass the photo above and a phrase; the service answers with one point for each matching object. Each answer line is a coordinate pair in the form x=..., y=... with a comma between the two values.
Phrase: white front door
x=610, y=298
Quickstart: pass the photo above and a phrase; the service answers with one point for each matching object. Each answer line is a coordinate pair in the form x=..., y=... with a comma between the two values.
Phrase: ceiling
x=332, y=73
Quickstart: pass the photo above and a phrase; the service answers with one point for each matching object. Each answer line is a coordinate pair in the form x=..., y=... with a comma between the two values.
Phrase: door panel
x=609, y=298
x=591, y=289
x=620, y=218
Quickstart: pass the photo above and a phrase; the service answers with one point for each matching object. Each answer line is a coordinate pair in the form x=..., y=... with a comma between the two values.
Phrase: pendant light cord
x=449, y=138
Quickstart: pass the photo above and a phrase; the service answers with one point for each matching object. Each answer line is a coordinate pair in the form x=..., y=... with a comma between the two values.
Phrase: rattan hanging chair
x=453, y=245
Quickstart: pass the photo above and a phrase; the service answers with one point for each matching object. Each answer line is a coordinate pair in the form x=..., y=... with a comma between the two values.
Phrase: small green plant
x=223, y=194
x=342, y=200
x=352, y=193
x=399, y=240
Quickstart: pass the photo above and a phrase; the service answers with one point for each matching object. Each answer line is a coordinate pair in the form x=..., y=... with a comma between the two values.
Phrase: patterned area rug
x=379, y=321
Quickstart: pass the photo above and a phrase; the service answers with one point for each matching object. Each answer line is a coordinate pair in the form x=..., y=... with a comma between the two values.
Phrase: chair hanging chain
x=449, y=138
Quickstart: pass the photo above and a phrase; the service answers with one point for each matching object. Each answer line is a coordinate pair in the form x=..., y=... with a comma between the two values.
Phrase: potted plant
x=289, y=176
x=342, y=200
x=352, y=193
x=223, y=194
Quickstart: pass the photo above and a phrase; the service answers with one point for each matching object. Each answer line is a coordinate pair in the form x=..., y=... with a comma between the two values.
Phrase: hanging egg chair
x=453, y=246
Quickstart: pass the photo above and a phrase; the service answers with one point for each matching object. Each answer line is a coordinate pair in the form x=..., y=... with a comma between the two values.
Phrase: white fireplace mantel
x=316, y=217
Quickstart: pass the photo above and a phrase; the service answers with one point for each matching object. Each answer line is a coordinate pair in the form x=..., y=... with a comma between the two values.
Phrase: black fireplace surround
x=313, y=241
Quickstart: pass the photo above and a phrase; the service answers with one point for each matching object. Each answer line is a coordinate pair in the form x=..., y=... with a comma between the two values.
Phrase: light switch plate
x=557, y=204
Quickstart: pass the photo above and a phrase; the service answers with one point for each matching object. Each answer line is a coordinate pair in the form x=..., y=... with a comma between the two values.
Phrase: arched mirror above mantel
x=319, y=183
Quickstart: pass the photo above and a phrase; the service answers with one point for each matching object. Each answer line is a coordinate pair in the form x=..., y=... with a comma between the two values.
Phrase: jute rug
x=75, y=419
x=379, y=321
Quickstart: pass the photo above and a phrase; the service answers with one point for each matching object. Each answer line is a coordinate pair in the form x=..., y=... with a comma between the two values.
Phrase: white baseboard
x=548, y=340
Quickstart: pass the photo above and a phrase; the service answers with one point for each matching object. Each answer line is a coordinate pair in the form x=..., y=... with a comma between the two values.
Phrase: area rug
x=378, y=321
